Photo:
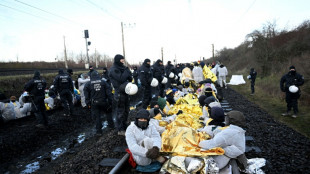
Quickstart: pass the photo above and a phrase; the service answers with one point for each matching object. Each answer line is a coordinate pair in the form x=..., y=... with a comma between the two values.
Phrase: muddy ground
x=285, y=150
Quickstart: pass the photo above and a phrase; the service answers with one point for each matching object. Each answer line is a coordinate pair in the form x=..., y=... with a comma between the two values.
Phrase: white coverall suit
x=140, y=141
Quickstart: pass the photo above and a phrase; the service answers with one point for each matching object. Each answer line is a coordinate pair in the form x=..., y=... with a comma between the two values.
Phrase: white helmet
x=180, y=75
x=248, y=77
x=131, y=89
x=171, y=75
x=154, y=82
x=293, y=89
x=164, y=81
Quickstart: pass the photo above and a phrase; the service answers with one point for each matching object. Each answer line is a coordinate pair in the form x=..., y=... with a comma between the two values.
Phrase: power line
x=27, y=13
x=104, y=10
x=246, y=11
x=47, y=12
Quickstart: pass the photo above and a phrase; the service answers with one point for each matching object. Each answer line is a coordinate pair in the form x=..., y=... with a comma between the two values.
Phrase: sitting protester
x=206, y=84
x=230, y=138
x=14, y=102
x=215, y=122
x=154, y=112
x=201, y=100
x=7, y=112
x=170, y=97
x=187, y=89
x=143, y=140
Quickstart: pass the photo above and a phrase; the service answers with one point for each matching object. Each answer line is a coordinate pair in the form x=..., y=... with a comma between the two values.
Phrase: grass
x=14, y=85
x=275, y=105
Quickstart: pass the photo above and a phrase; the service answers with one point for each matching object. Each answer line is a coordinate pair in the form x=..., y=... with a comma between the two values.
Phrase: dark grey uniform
x=158, y=73
x=146, y=76
x=289, y=79
x=120, y=75
x=64, y=86
x=36, y=87
x=98, y=94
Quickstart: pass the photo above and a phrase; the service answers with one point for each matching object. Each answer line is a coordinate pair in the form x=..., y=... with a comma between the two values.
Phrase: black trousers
x=38, y=108
x=122, y=110
x=252, y=86
x=66, y=101
x=97, y=112
x=147, y=96
x=292, y=101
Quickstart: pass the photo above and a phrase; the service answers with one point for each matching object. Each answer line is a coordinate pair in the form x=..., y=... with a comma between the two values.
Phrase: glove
x=180, y=112
x=153, y=153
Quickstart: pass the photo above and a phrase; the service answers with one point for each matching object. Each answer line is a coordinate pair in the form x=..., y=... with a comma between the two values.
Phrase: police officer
x=120, y=75
x=135, y=75
x=98, y=95
x=64, y=86
x=36, y=87
x=158, y=73
x=105, y=75
x=168, y=69
x=288, y=82
x=146, y=76
x=253, y=74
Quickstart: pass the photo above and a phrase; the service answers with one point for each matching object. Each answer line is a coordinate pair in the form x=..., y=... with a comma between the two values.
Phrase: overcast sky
x=33, y=30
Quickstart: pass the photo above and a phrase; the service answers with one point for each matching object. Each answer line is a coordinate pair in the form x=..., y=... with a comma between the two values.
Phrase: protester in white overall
x=197, y=73
x=222, y=73
x=81, y=81
x=230, y=138
x=143, y=140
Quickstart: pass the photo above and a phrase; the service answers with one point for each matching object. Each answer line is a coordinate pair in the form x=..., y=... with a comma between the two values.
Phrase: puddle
x=34, y=166
x=81, y=138
x=57, y=152
x=30, y=168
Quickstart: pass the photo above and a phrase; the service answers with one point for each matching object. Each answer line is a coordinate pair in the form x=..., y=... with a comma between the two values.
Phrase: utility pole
x=86, y=36
x=212, y=50
x=175, y=59
x=162, y=54
x=65, y=54
x=96, y=58
x=123, y=40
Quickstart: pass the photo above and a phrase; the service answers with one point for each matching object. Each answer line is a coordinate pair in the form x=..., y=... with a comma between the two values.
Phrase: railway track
x=122, y=166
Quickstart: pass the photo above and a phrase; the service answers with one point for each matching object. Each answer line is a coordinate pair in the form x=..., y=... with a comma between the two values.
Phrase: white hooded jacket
x=222, y=71
x=231, y=139
x=134, y=138
x=155, y=123
x=197, y=74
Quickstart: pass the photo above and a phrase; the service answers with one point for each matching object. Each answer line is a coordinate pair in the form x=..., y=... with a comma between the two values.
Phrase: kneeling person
x=143, y=140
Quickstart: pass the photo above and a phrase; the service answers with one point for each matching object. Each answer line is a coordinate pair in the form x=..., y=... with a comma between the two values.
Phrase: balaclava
x=143, y=113
x=117, y=59
x=145, y=63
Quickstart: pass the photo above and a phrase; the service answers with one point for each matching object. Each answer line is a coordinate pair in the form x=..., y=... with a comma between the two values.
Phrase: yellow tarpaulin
x=183, y=141
x=208, y=74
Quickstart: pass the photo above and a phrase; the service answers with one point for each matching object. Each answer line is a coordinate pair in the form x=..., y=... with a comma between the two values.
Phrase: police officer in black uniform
x=105, y=75
x=158, y=73
x=36, y=88
x=253, y=74
x=146, y=77
x=135, y=75
x=64, y=86
x=120, y=75
x=98, y=95
x=288, y=80
x=168, y=69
